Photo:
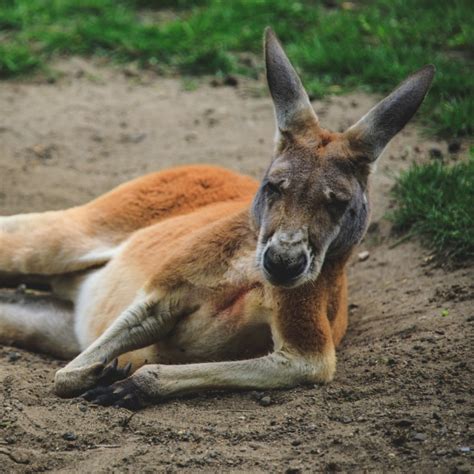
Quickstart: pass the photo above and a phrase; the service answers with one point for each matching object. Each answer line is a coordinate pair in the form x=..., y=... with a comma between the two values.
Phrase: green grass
x=372, y=46
x=435, y=201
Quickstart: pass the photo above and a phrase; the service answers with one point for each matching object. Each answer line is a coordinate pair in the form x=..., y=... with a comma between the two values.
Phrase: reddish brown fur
x=186, y=252
x=174, y=192
x=313, y=317
x=170, y=253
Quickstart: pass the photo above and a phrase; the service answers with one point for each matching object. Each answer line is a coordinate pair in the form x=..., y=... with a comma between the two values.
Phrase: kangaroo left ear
x=293, y=109
x=371, y=133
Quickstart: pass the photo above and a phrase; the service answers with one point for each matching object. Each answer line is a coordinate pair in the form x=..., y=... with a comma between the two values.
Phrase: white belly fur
x=85, y=300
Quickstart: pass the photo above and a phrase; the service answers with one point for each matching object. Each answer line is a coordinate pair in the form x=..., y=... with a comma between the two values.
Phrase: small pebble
x=21, y=289
x=293, y=470
x=44, y=152
x=69, y=436
x=13, y=356
x=256, y=395
x=404, y=423
x=265, y=401
x=362, y=256
x=420, y=437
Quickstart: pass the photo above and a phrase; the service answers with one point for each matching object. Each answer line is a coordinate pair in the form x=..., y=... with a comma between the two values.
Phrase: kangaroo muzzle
x=286, y=258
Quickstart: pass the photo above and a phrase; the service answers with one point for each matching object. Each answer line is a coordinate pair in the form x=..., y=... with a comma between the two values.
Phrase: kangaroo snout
x=283, y=268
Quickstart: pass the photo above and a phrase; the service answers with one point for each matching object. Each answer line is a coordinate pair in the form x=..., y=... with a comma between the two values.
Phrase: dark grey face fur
x=352, y=226
x=308, y=210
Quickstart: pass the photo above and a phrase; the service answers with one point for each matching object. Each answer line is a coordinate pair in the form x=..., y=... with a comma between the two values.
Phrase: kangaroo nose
x=290, y=238
x=282, y=269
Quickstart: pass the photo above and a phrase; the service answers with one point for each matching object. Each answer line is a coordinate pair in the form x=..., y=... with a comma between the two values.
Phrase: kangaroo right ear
x=372, y=132
x=292, y=106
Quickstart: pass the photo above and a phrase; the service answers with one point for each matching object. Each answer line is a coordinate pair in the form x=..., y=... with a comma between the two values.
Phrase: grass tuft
x=435, y=201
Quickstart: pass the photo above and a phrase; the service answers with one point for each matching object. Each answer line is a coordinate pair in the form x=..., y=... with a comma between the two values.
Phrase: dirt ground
x=402, y=397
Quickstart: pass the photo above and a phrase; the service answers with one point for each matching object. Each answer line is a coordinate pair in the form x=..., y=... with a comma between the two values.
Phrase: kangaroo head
x=312, y=204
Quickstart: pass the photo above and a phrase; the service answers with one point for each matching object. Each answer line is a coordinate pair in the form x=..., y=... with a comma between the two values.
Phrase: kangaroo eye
x=338, y=202
x=273, y=188
x=337, y=198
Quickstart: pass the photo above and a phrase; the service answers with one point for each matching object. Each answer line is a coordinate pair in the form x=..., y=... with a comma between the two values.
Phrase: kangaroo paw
x=112, y=373
x=122, y=394
x=73, y=382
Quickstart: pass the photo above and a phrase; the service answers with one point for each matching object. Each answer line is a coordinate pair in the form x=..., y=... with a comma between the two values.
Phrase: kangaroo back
x=57, y=242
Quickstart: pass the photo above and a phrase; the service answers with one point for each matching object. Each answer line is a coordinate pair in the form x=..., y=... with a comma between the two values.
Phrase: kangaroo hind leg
x=50, y=243
x=39, y=323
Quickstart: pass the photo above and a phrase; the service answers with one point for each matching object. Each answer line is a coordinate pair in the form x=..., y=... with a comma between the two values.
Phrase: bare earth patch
x=402, y=396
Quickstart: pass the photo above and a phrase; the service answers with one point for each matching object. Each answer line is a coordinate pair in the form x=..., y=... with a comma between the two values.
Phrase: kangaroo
x=198, y=278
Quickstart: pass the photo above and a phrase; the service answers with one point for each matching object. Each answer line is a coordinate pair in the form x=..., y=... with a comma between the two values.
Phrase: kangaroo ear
x=372, y=132
x=292, y=106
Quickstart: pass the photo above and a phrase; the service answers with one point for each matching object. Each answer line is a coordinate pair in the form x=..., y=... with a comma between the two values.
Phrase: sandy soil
x=401, y=400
